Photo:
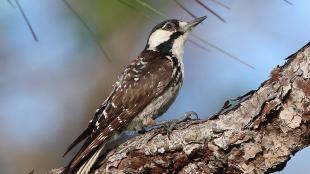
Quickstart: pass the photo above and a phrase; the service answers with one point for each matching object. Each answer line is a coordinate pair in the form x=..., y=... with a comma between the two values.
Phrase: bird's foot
x=142, y=131
x=170, y=125
x=167, y=126
x=189, y=116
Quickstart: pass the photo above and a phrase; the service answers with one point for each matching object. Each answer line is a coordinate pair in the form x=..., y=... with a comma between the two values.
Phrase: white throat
x=178, y=46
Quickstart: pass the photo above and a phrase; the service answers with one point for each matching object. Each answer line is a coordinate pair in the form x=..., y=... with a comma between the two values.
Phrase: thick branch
x=257, y=136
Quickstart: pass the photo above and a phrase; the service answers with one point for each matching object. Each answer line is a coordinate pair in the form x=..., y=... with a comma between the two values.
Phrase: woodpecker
x=144, y=91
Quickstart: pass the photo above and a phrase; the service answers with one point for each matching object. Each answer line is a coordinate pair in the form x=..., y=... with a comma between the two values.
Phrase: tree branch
x=256, y=136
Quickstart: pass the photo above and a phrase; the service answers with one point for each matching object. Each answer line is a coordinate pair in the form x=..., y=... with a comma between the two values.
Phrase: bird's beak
x=190, y=25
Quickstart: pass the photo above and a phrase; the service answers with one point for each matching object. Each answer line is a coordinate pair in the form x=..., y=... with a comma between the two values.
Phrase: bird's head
x=169, y=36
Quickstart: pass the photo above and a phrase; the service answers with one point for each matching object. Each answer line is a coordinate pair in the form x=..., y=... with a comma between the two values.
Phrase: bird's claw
x=167, y=126
x=188, y=116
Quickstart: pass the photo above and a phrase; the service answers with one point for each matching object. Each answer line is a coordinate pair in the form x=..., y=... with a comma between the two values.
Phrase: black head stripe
x=167, y=46
x=160, y=25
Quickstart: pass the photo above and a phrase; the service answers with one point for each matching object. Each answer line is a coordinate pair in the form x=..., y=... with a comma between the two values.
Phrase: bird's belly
x=156, y=108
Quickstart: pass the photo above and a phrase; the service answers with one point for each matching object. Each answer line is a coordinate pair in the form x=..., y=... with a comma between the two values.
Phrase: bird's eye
x=169, y=26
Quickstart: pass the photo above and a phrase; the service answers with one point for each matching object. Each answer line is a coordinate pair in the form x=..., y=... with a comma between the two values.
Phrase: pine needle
x=93, y=35
x=124, y=2
x=11, y=3
x=221, y=4
x=198, y=45
x=210, y=10
x=186, y=10
x=26, y=20
x=290, y=3
x=223, y=51
x=144, y=4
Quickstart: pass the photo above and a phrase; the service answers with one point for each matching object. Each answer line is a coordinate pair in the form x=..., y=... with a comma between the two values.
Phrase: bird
x=144, y=91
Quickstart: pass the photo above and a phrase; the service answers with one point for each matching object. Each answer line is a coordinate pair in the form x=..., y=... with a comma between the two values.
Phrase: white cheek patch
x=157, y=38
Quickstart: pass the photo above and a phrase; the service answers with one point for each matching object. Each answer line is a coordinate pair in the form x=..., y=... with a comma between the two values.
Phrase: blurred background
x=50, y=89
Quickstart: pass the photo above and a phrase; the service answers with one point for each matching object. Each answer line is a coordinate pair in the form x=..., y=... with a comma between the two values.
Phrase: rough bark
x=258, y=135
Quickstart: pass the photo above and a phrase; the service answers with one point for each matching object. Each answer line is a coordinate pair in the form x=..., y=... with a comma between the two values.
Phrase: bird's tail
x=85, y=168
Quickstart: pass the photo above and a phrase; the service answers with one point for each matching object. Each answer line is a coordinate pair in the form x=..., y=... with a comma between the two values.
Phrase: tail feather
x=85, y=168
x=86, y=133
x=80, y=138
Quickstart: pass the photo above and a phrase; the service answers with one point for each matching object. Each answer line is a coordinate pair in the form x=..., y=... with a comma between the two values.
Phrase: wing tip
x=80, y=138
x=65, y=153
